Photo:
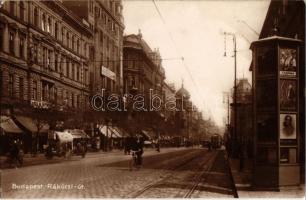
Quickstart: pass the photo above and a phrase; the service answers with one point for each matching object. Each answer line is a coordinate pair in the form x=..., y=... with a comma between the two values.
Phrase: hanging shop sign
x=108, y=73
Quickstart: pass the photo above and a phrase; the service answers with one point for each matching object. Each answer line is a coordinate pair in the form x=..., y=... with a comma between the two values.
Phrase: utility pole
x=235, y=88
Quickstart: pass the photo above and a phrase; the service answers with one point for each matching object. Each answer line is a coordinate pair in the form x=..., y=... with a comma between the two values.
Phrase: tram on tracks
x=216, y=141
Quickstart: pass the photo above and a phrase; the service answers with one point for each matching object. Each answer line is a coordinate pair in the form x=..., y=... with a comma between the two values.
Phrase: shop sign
x=40, y=104
x=108, y=73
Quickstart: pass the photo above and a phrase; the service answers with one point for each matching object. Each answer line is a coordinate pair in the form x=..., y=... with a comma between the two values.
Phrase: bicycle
x=133, y=162
x=15, y=161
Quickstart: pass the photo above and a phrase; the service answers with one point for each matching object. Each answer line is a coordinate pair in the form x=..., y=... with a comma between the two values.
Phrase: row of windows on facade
x=69, y=68
x=137, y=64
x=48, y=91
x=108, y=84
x=107, y=22
x=67, y=38
x=133, y=82
x=113, y=6
x=109, y=43
x=65, y=66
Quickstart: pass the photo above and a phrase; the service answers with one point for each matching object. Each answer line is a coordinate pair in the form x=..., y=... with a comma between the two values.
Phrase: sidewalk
x=243, y=181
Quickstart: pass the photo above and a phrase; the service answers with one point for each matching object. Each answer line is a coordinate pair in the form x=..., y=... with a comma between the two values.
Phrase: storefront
x=38, y=129
x=9, y=132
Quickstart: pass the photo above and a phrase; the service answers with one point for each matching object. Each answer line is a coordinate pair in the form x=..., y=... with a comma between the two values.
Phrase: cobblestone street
x=176, y=172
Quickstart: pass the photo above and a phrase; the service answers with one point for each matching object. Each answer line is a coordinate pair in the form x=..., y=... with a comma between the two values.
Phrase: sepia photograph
x=152, y=99
x=287, y=126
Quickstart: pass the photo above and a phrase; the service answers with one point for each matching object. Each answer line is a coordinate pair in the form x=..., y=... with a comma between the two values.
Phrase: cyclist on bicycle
x=137, y=147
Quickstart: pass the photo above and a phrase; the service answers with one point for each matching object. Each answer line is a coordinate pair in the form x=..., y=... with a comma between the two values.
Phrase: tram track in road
x=199, y=177
x=175, y=170
x=202, y=180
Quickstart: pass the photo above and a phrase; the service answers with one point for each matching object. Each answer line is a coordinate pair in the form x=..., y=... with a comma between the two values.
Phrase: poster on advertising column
x=288, y=95
x=287, y=126
x=288, y=62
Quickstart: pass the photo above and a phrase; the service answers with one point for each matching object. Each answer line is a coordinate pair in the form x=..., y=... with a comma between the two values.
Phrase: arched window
x=56, y=30
x=78, y=46
x=11, y=42
x=36, y=16
x=63, y=34
x=43, y=22
x=49, y=25
x=12, y=8
x=21, y=10
x=1, y=38
x=67, y=39
x=73, y=47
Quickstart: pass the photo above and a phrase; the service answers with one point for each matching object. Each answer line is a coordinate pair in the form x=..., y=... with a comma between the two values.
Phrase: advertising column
x=275, y=106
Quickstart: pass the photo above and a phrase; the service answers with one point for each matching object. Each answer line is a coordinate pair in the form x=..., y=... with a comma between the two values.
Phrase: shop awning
x=152, y=134
x=121, y=132
x=104, y=131
x=116, y=132
x=125, y=133
x=8, y=125
x=146, y=134
x=77, y=133
x=64, y=136
x=33, y=125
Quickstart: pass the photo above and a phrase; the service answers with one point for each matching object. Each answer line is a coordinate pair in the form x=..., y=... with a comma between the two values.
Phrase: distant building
x=142, y=67
x=170, y=104
x=243, y=133
x=183, y=114
x=144, y=75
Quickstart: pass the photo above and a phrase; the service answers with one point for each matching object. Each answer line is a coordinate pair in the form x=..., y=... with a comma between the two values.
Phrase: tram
x=216, y=141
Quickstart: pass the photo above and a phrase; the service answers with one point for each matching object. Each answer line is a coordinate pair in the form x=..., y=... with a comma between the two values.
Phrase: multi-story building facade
x=170, y=104
x=144, y=75
x=183, y=114
x=106, y=21
x=243, y=128
x=142, y=67
x=44, y=58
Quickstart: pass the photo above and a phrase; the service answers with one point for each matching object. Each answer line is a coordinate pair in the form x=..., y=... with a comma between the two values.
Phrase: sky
x=194, y=30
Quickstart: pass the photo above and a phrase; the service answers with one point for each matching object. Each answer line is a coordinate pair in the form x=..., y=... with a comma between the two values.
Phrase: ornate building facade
x=105, y=19
x=144, y=75
x=44, y=58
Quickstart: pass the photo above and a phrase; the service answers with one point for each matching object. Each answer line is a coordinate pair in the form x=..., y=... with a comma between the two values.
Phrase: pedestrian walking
x=15, y=155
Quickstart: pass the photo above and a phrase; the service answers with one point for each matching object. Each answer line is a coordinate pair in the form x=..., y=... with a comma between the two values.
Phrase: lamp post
x=235, y=89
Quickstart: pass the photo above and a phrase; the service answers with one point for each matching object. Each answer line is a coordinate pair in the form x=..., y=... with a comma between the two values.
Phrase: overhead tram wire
x=183, y=61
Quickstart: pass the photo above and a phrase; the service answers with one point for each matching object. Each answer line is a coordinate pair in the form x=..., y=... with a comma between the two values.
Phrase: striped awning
x=116, y=133
x=33, y=125
x=77, y=133
x=8, y=125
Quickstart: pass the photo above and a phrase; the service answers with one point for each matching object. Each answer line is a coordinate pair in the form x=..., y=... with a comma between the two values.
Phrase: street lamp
x=235, y=87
